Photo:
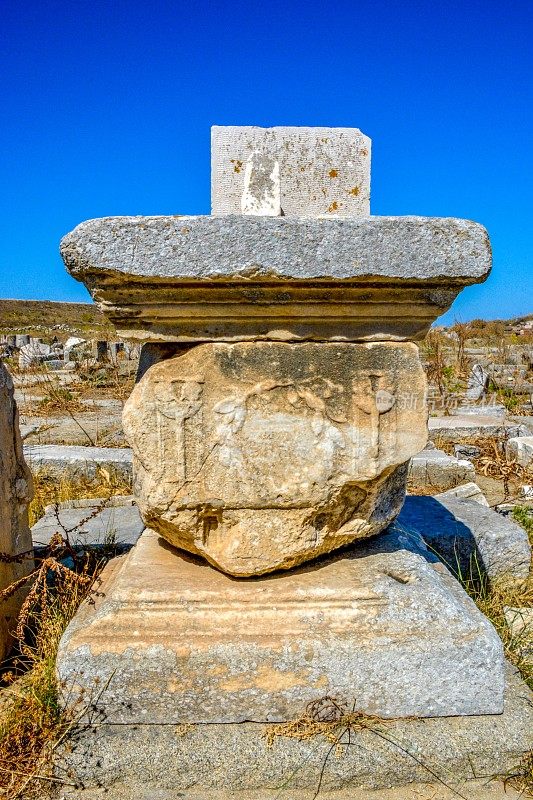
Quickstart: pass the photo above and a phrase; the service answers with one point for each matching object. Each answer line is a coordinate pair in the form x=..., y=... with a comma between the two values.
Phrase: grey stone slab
x=435, y=468
x=298, y=248
x=231, y=278
x=385, y=630
x=490, y=409
x=120, y=525
x=79, y=460
x=222, y=761
x=319, y=170
x=478, y=381
x=520, y=448
x=467, y=491
x=483, y=789
x=473, y=426
x=467, y=535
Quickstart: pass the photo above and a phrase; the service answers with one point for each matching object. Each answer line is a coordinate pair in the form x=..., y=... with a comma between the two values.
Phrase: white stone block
x=321, y=170
x=520, y=448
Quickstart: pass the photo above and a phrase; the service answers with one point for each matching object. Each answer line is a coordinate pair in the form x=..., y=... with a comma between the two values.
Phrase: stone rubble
x=279, y=400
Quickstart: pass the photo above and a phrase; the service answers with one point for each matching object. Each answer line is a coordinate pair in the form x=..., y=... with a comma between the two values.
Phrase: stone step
x=233, y=762
x=386, y=630
x=76, y=460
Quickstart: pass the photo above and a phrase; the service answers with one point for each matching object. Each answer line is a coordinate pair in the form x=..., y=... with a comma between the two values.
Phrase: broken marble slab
x=436, y=469
x=474, y=426
x=319, y=170
x=225, y=278
x=520, y=449
x=261, y=455
x=466, y=491
x=469, y=538
x=62, y=460
x=379, y=628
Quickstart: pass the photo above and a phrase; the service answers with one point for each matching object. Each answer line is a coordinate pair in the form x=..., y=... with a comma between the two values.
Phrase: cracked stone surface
x=259, y=456
x=240, y=277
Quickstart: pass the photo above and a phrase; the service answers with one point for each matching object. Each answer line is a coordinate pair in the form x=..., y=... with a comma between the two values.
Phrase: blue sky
x=107, y=109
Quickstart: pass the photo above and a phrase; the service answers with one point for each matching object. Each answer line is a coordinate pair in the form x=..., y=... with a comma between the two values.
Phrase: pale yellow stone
x=259, y=456
x=174, y=641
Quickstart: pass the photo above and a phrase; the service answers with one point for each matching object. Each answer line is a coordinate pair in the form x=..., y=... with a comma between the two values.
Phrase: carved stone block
x=259, y=456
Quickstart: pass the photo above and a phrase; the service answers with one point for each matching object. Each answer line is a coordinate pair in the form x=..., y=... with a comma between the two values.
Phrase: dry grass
x=57, y=402
x=492, y=598
x=49, y=490
x=493, y=462
x=32, y=722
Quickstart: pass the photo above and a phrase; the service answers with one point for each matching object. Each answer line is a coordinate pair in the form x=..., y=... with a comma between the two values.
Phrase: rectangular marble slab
x=228, y=278
x=381, y=629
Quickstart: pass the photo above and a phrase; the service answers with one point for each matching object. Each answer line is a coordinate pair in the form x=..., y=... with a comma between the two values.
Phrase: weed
x=523, y=515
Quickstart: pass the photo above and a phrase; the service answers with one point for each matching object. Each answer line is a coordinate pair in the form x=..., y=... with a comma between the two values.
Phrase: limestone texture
x=229, y=761
x=474, y=426
x=238, y=277
x=379, y=628
x=61, y=460
x=15, y=494
x=320, y=170
x=435, y=468
x=466, y=491
x=259, y=456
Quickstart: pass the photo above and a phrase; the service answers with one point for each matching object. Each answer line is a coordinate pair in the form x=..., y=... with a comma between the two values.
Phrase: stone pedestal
x=379, y=628
x=279, y=432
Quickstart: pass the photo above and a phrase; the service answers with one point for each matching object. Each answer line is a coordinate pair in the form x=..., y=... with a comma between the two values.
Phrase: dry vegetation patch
x=50, y=490
x=32, y=721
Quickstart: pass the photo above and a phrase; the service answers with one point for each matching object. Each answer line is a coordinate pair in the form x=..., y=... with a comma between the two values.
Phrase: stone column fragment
x=15, y=494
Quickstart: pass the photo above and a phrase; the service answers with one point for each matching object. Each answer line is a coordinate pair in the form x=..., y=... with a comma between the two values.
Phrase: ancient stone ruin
x=280, y=400
x=15, y=494
x=286, y=431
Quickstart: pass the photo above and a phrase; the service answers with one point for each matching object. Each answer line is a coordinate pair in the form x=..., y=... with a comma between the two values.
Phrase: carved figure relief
x=178, y=408
x=371, y=401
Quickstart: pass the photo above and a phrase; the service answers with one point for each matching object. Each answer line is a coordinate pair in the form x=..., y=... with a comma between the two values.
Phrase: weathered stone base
x=221, y=761
x=379, y=628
